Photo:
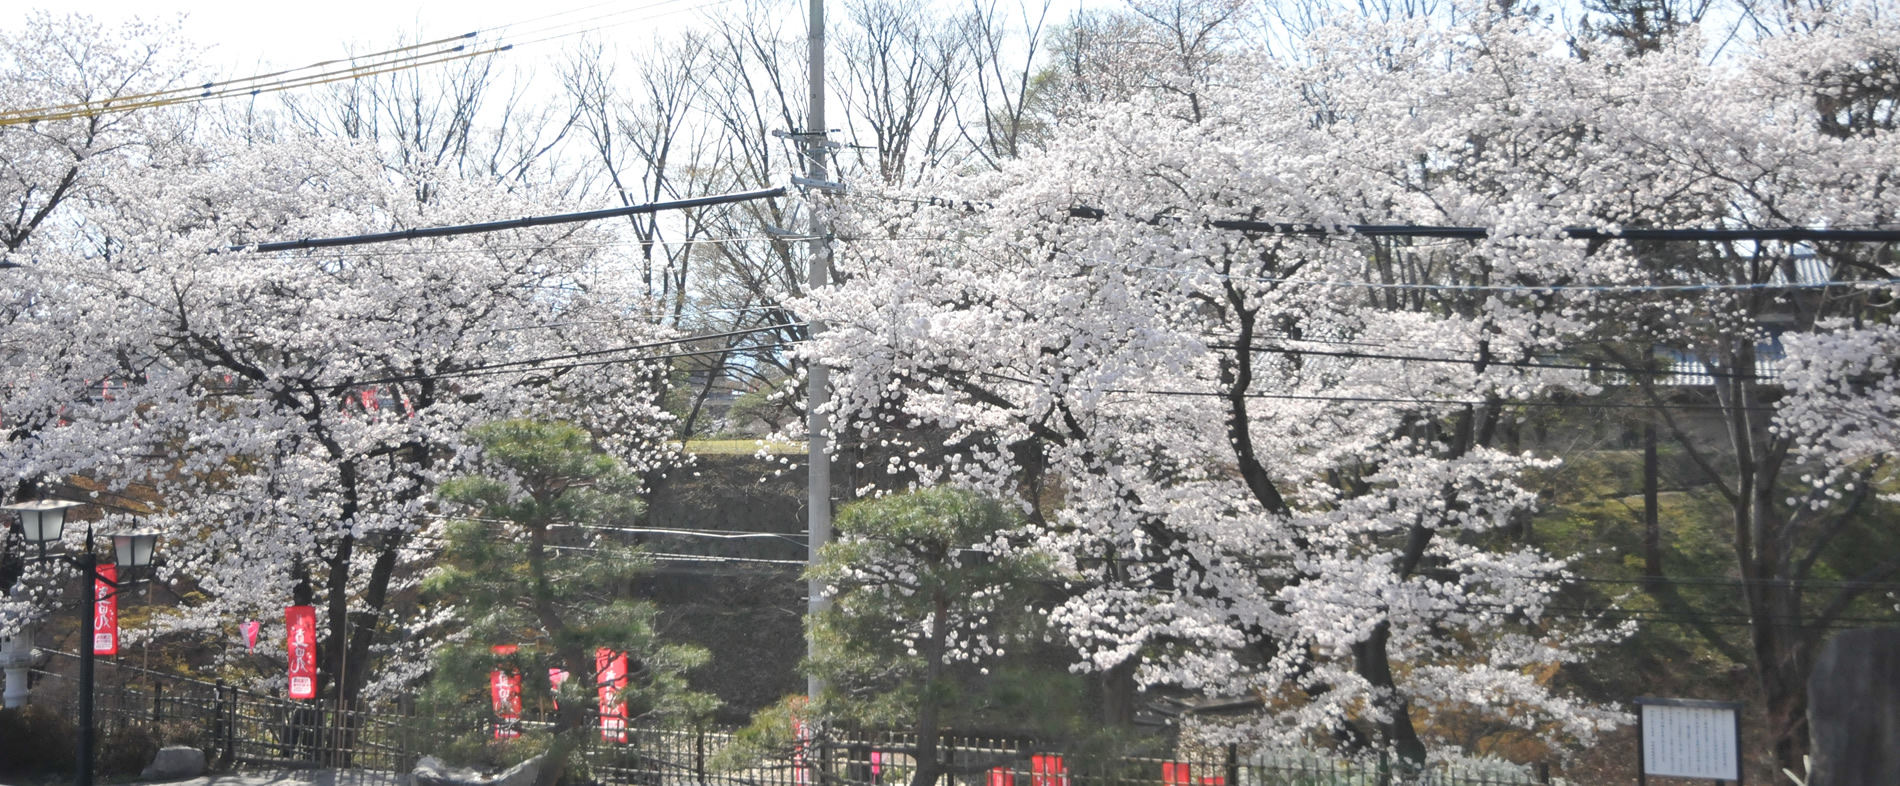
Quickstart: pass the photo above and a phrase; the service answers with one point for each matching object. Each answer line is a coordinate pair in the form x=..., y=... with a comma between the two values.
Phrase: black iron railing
x=242, y=729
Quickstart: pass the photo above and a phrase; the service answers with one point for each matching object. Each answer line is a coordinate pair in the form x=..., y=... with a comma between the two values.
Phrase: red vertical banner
x=504, y=689
x=556, y=678
x=611, y=676
x=504, y=693
x=1176, y=773
x=105, y=611
x=250, y=628
x=1047, y=769
x=300, y=643
x=1001, y=776
x=801, y=738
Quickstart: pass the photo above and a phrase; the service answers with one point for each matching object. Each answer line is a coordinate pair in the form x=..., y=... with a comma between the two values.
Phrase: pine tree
x=521, y=572
x=928, y=601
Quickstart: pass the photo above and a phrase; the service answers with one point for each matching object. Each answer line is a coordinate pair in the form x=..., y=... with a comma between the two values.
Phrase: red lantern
x=300, y=643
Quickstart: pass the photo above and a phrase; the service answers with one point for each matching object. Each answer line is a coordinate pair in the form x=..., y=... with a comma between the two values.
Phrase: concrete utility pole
x=817, y=377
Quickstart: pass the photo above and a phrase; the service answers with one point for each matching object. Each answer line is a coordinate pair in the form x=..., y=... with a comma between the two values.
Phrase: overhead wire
x=1601, y=369
x=1369, y=399
x=198, y=91
x=541, y=363
x=1523, y=289
x=245, y=88
x=451, y=230
x=397, y=59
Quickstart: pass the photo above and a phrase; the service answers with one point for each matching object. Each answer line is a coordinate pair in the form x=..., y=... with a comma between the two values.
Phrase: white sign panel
x=1689, y=742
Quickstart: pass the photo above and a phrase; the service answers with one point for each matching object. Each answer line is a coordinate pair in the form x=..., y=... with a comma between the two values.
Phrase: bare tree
x=474, y=118
x=1004, y=76
x=905, y=73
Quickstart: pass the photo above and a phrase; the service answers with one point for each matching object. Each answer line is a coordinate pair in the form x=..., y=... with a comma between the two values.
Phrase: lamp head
x=42, y=521
x=134, y=549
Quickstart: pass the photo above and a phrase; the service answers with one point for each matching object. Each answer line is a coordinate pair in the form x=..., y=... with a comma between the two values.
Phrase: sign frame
x=1733, y=708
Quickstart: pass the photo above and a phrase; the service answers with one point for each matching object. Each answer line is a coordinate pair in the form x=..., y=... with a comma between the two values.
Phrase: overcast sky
x=243, y=35
x=246, y=37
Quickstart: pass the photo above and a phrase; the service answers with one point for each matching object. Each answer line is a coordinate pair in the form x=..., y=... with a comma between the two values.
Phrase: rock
x=522, y=774
x=175, y=762
x=431, y=771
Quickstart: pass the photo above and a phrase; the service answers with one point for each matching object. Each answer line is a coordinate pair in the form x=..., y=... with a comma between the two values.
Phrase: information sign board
x=1688, y=738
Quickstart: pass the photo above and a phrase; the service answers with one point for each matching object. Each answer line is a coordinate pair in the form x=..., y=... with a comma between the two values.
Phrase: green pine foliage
x=527, y=566
x=934, y=625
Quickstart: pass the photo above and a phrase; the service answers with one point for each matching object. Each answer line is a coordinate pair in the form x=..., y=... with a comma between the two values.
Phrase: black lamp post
x=43, y=522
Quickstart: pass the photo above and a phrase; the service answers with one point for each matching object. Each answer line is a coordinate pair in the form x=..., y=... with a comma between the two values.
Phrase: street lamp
x=43, y=522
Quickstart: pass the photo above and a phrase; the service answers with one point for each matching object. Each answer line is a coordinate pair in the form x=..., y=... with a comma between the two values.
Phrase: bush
x=38, y=740
x=125, y=751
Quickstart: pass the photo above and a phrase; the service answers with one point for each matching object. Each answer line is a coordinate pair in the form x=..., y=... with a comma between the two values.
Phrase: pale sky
x=244, y=35
x=248, y=37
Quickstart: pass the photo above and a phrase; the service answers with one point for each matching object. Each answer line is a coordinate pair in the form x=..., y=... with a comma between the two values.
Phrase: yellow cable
x=186, y=92
x=356, y=72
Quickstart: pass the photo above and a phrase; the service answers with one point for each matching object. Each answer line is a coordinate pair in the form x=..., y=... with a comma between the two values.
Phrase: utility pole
x=817, y=377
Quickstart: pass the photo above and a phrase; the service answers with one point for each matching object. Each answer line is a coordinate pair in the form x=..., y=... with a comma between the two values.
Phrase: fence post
x=1233, y=764
x=158, y=703
x=406, y=715
x=699, y=753
x=217, y=721
x=230, y=726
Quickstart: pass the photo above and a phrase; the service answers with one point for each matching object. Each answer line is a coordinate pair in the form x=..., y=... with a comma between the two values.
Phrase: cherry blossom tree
x=50, y=153
x=1285, y=457
x=294, y=411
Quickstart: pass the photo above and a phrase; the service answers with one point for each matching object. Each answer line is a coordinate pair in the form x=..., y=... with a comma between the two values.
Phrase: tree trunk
x=928, y=712
x=570, y=719
x=1370, y=660
x=1652, y=529
x=1118, y=694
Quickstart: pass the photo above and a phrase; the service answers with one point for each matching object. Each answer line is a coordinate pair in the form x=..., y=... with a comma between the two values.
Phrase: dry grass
x=741, y=447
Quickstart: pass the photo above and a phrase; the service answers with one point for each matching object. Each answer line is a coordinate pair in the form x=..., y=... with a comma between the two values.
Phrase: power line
x=198, y=91
x=733, y=240
x=1603, y=369
x=1594, y=236
x=1757, y=235
x=517, y=223
x=1388, y=399
x=539, y=363
x=1537, y=289
x=211, y=91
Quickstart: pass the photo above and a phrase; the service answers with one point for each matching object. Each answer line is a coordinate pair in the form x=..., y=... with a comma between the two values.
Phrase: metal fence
x=243, y=729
